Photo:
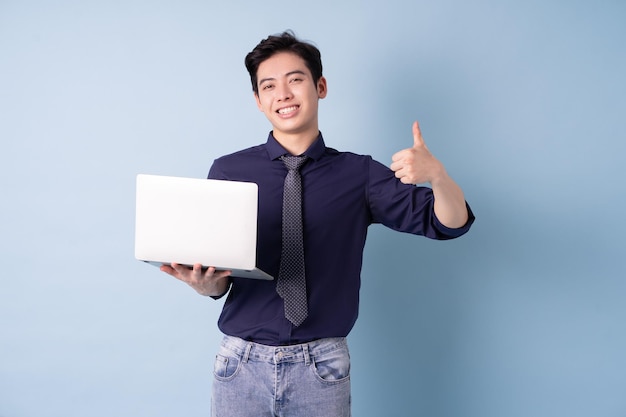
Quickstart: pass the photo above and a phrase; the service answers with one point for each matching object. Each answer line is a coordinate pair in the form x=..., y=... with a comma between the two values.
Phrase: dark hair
x=285, y=42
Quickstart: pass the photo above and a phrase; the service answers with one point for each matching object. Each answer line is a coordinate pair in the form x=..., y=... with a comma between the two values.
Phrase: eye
x=295, y=80
x=267, y=86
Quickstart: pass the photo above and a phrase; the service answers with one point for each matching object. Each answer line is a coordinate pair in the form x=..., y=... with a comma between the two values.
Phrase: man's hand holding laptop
x=206, y=281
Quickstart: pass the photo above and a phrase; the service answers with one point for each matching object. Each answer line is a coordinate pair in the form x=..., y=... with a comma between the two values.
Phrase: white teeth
x=287, y=110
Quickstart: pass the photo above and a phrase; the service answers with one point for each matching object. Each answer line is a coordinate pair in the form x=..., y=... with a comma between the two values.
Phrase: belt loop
x=246, y=353
x=305, y=351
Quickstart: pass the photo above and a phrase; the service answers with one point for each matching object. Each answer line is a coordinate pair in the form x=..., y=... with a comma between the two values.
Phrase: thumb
x=418, y=140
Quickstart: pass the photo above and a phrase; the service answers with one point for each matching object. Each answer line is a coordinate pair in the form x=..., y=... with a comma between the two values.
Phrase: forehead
x=281, y=64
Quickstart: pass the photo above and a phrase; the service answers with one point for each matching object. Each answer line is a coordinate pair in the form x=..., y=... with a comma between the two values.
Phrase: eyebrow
x=286, y=75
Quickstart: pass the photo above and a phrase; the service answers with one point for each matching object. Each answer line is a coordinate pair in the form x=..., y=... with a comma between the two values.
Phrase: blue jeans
x=307, y=380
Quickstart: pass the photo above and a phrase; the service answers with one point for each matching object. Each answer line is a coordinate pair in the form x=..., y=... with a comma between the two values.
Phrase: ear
x=258, y=101
x=322, y=87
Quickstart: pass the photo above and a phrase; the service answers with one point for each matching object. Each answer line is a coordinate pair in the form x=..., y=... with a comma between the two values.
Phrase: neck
x=295, y=144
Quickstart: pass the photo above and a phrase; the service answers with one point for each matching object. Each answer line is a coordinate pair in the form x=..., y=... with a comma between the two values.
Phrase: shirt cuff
x=451, y=233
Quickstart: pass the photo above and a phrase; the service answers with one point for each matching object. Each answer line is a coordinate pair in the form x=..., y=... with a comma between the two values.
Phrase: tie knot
x=293, y=163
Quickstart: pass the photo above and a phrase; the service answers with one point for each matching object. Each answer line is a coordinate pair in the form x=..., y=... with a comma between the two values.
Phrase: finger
x=400, y=156
x=400, y=169
x=167, y=269
x=186, y=273
x=418, y=140
x=174, y=270
x=399, y=174
x=222, y=274
x=179, y=268
x=208, y=273
x=397, y=156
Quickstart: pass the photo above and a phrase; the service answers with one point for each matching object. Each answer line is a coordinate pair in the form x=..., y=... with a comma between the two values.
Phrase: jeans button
x=279, y=355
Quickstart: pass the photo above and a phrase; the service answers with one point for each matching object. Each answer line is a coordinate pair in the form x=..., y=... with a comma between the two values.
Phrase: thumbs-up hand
x=416, y=165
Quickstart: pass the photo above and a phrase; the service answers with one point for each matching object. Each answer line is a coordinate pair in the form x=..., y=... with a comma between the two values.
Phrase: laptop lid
x=191, y=220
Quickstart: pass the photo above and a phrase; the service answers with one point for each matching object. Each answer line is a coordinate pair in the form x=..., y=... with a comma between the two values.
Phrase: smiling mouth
x=287, y=110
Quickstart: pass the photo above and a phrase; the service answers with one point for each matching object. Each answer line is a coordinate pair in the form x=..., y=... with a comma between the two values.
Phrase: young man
x=269, y=364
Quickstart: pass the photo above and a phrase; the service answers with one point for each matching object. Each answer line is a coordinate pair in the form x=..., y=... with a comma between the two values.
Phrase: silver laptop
x=190, y=220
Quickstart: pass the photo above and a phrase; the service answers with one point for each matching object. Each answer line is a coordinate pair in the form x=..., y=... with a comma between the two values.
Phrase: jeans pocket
x=333, y=367
x=226, y=366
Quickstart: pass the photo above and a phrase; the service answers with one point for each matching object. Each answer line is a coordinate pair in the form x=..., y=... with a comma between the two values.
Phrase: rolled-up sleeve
x=407, y=208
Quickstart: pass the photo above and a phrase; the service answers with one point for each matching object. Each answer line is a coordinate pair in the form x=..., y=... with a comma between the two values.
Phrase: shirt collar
x=275, y=149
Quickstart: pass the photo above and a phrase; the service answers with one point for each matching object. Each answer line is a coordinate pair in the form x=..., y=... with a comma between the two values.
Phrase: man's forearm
x=450, y=207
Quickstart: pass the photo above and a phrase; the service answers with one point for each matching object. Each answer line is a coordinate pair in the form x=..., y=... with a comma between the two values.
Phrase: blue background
x=523, y=101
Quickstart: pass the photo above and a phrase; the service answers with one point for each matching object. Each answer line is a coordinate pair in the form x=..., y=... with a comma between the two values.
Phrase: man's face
x=288, y=97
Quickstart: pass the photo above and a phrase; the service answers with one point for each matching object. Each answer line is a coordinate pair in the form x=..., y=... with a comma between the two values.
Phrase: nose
x=283, y=92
